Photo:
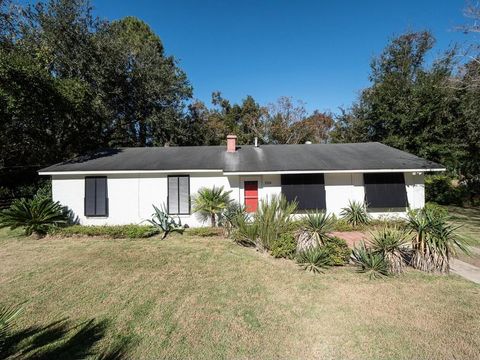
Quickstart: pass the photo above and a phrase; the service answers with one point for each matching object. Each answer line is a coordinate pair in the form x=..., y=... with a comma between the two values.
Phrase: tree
x=144, y=92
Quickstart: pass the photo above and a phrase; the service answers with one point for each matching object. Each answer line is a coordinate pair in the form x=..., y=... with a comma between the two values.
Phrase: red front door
x=251, y=195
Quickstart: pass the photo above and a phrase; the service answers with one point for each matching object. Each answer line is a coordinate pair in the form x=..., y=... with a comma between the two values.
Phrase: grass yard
x=469, y=221
x=207, y=298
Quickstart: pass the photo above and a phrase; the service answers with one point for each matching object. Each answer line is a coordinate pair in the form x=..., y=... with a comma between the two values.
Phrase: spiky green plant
x=165, y=223
x=273, y=219
x=369, y=262
x=355, y=214
x=314, y=259
x=391, y=243
x=434, y=241
x=318, y=226
x=233, y=214
x=35, y=215
x=209, y=203
x=7, y=316
x=245, y=232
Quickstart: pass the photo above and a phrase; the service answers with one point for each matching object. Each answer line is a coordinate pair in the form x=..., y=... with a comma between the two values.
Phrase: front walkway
x=465, y=270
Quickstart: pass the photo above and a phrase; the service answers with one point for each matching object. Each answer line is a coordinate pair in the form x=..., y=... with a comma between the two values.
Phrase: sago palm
x=35, y=215
x=210, y=203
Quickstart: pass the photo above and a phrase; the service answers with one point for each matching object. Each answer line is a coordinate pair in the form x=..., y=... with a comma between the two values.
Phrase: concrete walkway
x=465, y=270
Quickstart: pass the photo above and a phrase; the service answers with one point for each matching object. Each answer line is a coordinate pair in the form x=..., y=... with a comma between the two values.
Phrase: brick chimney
x=231, y=143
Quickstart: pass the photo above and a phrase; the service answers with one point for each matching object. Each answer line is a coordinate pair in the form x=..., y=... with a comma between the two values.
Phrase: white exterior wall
x=131, y=196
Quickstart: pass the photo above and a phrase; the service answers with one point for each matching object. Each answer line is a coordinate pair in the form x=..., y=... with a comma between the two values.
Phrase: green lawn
x=468, y=220
x=207, y=298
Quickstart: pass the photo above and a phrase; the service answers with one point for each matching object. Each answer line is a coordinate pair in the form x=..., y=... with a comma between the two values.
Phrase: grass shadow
x=61, y=340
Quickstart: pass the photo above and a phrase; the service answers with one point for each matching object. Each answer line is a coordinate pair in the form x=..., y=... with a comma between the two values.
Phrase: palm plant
x=210, y=203
x=232, y=216
x=35, y=215
x=314, y=259
x=273, y=219
x=369, y=262
x=317, y=227
x=7, y=315
x=165, y=223
x=355, y=214
x=391, y=243
x=434, y=240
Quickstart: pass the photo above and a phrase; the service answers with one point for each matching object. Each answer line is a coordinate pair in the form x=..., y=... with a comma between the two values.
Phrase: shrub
x=272, y=219
x=338, y=251
x=204, y=232
x=210, y=203
x=434, y=241
x=355, y=214
x=370, y=262
x=315, y=259
x=245, y=232
x=165, y=223
x=440, y=189
x=391, y=243
x=231, y=216
x=35, y=215
x=284, y=246
x=115, y=231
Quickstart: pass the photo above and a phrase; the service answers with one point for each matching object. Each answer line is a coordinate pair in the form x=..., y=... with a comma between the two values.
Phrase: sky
x=315, y=51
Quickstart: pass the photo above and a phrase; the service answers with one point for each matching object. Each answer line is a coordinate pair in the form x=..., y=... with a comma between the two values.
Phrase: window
x=385, y=190
x=96, y=196
x=179, y=195
x=307, y=189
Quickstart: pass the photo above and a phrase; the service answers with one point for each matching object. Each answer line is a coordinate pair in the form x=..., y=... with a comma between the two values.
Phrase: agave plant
x=391, y=243
x=272, y=219
x=35, y=215
x=210, y=203
x=355, y=214
x=317, y=227
x=434, y=240
x=314, y=259
x=369, y=262
x=165, y=223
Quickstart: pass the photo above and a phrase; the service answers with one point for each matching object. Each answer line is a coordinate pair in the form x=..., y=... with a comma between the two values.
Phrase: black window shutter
x=96, y=196
x=179, y=195
x=385, y=190
x=308, y=190
x=90, y=196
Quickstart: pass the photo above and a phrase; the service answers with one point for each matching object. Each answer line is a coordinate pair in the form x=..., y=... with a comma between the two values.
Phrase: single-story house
x=119, y=186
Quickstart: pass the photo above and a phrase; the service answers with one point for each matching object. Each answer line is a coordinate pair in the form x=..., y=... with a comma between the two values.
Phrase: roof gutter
x=191, y=171
x=114, y=172
x=331, y=171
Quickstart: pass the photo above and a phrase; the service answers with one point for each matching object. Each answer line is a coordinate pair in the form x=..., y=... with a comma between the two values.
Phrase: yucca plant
x=209, y=203
x=35, y=215
x=7, y=316
x=317, y=226
x=233, y=214
x=391, y=243
x=165, y=223
x=273, y=219
x=369, y=262
x=314, y=259
x=434, y=240
x=355, y=214
x=245, y=232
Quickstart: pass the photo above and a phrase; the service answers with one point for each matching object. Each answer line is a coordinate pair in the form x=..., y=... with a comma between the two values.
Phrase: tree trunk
x=214, y=224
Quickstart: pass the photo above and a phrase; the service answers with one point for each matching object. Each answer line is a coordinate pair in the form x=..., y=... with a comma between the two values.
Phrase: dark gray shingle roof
x=248, y=158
